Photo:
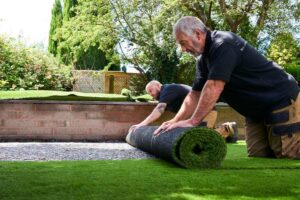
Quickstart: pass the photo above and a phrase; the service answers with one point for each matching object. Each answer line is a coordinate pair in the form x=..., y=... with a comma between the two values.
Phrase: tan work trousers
x=279, y=139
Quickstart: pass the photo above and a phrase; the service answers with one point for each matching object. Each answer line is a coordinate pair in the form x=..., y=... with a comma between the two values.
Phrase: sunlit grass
x=240, y=177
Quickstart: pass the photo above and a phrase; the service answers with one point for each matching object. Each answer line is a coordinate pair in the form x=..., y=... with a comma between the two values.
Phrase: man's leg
x=291, y=146
x=288, y=131
x=275, y=143
x=257, y=139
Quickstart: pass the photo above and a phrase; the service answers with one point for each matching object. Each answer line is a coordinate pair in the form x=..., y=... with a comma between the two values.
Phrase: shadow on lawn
x=256, y=182
x=240, y=177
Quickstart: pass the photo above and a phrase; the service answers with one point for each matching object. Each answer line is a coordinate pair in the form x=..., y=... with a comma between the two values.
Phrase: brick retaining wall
x=71, y=120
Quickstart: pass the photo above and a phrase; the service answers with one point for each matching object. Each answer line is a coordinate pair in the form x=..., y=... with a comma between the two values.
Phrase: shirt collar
x=161, y=89
x=208, y=42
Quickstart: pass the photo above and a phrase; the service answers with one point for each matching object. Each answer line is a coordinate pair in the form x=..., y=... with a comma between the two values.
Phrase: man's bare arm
x=186, y=110
x=155, y=114
x=209, y=96
x=188, y=106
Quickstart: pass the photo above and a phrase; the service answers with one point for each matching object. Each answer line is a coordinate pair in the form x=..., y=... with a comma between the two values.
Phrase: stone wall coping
x=22, y=101
x=105, y=72
x=76, y=102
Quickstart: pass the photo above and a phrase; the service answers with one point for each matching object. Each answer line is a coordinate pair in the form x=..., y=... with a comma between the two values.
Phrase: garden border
x=36, y=120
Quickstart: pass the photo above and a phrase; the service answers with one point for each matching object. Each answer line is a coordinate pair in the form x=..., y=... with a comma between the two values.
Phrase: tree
x=56, y=22
x=248, y=18
x=284, y=49
x=145, y=39
x=86, y=42
x=145, y=29
x=69, y=11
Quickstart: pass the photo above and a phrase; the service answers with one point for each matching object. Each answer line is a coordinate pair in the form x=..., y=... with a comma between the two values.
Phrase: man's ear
x=198, y=34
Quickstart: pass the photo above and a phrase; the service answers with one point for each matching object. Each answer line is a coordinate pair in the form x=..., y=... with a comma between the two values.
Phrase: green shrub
x=29, y=68
x=137, y=84
x=187, y=69
x=283, y=49
x=294, y=70
x=127, y=93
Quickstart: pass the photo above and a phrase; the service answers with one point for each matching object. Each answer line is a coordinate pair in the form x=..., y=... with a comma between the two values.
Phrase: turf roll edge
x=197, y=147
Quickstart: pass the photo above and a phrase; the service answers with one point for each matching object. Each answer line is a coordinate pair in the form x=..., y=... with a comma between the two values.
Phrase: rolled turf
x=188, y=147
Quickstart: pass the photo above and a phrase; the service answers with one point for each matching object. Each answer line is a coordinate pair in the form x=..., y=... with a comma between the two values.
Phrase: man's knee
x=263, y=152
x=291, y=146
x=257, y=140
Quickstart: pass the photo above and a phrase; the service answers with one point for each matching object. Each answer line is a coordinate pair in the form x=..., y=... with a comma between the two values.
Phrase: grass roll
x=197, y=147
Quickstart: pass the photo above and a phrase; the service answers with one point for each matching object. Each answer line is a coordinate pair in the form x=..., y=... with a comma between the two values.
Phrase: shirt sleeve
x=223, y=60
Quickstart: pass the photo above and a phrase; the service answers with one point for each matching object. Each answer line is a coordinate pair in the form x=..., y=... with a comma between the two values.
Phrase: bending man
x=170, y=97
x=257, y=88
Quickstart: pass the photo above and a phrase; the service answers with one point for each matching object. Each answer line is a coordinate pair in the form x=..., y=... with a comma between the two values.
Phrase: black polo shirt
x=173, y=95
x=254, y=85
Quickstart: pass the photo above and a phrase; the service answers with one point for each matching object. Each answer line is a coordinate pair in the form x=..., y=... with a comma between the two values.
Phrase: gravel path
x=34, y=151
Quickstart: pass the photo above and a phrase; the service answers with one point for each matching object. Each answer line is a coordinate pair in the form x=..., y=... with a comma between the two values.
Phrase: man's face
x=153, y=91
x=191, y=44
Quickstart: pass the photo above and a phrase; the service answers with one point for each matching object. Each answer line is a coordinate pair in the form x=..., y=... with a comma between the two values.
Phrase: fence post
x=111, y=84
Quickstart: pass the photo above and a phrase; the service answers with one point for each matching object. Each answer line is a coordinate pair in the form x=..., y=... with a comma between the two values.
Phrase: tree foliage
x=145, y=36
x=143, y=31
x=56, y=22
x=86, y=42
x=69, y=11
x=249, y=18
x=284, y=49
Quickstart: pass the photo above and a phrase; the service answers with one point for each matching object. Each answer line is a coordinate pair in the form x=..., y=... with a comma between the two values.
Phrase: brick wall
x=54, y=120
x=73, y=121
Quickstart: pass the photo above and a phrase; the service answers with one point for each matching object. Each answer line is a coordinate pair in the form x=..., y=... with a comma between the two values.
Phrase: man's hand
x=134, y=127
x=166, y=126
x=161, y=128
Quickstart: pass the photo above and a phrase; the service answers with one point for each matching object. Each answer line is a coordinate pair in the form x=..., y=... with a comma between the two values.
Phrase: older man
x=255, y=87
x=170, y=97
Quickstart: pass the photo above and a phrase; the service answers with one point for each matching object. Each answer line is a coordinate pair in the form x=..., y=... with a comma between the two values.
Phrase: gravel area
x=44, y=151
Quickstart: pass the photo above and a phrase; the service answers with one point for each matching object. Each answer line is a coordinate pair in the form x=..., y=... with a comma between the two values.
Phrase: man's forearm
x=209, y=96
x=155, y=114
x=188, y=106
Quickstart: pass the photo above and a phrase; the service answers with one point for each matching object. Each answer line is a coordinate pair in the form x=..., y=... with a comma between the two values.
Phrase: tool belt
x=285, y=122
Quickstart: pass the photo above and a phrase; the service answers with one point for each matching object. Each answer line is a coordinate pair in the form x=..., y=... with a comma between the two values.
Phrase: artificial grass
x=60, y=95
x=239, y=177
x=197, y=147
x=69, y=96
x=141, y=98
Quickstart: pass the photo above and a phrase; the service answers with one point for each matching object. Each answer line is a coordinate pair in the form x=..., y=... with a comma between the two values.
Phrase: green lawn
x=67, y=96
x=239, y=178
x=60, y=95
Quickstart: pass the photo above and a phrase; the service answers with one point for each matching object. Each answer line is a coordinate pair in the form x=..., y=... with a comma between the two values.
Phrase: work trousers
x=278, y=135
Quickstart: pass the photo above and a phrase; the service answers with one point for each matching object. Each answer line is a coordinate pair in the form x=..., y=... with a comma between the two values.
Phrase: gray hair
x=188, y=25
